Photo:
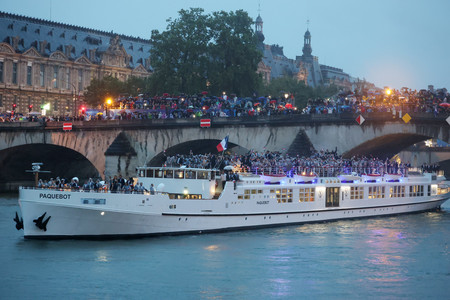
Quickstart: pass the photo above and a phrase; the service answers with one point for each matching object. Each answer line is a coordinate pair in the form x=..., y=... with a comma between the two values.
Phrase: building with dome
x=44, y=63
x=305, y=67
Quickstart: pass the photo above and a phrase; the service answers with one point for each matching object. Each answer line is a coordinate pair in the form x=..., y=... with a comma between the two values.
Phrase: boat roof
x=176, y=168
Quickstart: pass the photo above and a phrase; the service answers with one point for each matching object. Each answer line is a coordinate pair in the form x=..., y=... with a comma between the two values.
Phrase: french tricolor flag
x=223, y=145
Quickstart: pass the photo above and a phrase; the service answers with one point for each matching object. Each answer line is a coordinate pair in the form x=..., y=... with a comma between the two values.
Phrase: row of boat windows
x=356, y=192
x=177, y=174
x=183, y=196
x=283, y=195
x=376, y=192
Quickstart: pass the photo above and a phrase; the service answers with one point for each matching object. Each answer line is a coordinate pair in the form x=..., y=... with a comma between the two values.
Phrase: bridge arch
x=61, y=161
x=386, y=146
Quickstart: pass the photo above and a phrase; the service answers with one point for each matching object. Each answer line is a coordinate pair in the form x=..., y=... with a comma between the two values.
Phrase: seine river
x=406, y=257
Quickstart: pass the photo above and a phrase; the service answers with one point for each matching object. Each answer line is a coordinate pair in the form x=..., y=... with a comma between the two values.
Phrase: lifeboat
x=349, y=177
x=304, y=177
x=371, y=177
x=392, y=177
x=273, y=178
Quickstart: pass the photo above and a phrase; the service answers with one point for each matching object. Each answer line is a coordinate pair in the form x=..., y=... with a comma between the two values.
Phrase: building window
x=80, y=80
x=42, y=75
x=1, y=100
x=55, y=104
x=14, y=74
x=1, y=71
x=29, y=70
x=55, y=76
x=68, y=83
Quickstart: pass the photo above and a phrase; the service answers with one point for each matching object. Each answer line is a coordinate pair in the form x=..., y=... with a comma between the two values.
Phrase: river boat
x=192, y=201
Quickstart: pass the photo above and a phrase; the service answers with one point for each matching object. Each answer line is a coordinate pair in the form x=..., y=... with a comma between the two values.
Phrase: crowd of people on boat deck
x=430, y=168
x=117, y=184
x=323, y=163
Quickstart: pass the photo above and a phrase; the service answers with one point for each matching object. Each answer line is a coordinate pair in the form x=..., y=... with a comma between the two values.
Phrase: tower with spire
x=259, y=26
x=307, y=50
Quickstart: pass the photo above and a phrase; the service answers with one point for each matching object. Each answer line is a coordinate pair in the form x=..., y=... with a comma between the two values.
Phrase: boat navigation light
x=186, y=191
x=102, y=213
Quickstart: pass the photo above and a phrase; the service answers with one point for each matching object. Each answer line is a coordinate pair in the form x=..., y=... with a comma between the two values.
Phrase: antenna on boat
x=36, y=169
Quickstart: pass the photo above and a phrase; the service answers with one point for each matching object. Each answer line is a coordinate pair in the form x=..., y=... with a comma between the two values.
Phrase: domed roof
x=258, y=19
x=307, y=33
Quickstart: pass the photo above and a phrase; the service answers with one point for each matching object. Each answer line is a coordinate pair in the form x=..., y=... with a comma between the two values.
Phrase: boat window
x=357, y=192
x=179, y=174
x=240, y=197
x=202, y=175
x=260, y=191
x=190, y=175
x=416, y=191
x=168, y=173
x=247, y=192
x=376, y=192
x=213, y=175
x=141, y=173
x=396, y=191
x=306, y=195
x=284, y=195
x=159, y=173
x=253, y=192
x=150, y=173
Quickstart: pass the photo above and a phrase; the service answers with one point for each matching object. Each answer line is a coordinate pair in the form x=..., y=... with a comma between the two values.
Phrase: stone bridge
x=110, y=147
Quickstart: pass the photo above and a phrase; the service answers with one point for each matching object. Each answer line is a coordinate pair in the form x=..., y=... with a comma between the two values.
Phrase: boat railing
x=329, y=171
x=80, y=190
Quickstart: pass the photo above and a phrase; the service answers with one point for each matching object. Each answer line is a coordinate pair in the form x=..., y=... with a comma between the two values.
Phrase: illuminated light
x=388, y=91
x=109, y=101
x=212, y=248
x=46, y=106
x=102, y=213
x=185, y=191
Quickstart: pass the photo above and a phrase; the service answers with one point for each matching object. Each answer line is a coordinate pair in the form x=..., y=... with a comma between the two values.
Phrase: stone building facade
x=44, y=63
x=305, y=68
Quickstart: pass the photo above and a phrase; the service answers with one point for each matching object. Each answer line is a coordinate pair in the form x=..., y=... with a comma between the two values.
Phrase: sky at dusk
x=392, y=43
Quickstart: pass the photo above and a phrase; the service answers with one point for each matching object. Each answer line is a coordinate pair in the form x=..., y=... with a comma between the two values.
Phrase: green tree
x=134, y=86
x=180, y=54
x=101, y=89
x=234, y=54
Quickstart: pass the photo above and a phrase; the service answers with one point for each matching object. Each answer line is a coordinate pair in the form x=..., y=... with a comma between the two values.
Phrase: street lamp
x=75, y=97
x=108, y=103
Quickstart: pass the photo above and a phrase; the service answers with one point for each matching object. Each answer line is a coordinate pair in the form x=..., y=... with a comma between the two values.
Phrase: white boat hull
x=145, y=215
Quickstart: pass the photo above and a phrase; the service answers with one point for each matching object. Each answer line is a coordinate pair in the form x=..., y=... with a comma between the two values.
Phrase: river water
x=406, y=257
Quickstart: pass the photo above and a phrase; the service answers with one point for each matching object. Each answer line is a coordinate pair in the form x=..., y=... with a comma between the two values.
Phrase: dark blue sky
x=392, y=43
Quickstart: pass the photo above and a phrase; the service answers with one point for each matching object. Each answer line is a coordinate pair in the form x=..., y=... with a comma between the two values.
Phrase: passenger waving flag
x=223, y=145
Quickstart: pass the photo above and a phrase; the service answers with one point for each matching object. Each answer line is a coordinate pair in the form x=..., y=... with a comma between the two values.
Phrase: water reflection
x=102, y=256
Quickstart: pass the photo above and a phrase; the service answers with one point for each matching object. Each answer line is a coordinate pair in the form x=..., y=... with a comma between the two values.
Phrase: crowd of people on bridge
x=397, y=102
